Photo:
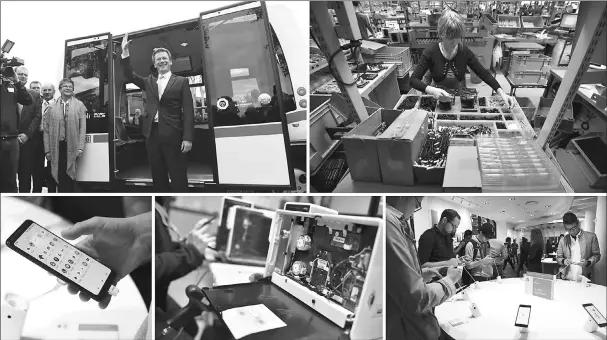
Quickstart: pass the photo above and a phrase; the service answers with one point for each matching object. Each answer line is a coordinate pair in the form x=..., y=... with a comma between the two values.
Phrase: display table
x=561, y=318
x=58, y=314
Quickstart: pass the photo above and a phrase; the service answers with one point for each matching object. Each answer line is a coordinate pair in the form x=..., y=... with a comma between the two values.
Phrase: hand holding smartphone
x=63, y=260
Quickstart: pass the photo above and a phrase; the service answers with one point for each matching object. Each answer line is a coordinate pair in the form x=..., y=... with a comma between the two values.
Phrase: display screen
x=522, y=318
x=63, y=258
x=222, y=231
x=596, y=315
x=249, y=237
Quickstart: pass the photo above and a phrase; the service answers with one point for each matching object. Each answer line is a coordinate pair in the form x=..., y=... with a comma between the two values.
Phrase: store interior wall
x=422, y=219
x=600, y=269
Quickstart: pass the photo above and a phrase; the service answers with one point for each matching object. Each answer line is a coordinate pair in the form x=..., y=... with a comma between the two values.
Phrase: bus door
x=87, y=65
x=245, y=99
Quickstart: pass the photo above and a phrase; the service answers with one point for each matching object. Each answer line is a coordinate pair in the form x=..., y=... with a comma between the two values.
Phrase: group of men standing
x=23, y=154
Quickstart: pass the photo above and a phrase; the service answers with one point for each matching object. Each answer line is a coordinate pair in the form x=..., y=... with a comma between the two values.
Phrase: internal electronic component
x=333, y=262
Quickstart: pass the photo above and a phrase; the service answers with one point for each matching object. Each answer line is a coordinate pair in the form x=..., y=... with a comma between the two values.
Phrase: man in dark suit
x=168, y=119
x=29, y=135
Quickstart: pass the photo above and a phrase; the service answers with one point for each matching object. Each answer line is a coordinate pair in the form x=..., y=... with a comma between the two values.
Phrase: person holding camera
x=13, y=93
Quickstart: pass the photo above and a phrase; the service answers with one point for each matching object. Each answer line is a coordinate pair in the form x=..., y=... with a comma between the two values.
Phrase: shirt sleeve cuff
x=448, y=283
x=124, y=56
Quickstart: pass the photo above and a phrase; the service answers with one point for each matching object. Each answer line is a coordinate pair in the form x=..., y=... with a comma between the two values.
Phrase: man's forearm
x=472, y=265
x=435, y=264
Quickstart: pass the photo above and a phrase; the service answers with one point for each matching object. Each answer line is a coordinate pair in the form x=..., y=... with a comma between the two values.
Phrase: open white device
x=333, y=264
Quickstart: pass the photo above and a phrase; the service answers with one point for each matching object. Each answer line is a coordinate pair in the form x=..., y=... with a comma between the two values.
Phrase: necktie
x=46, y=108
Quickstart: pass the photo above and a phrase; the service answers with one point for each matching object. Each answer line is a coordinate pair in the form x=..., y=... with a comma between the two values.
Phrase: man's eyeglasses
x=67, y=87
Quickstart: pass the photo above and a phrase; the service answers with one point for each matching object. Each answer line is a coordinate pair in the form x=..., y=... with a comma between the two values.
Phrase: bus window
x=239, y=71
x=87, y=65
x=199, y=97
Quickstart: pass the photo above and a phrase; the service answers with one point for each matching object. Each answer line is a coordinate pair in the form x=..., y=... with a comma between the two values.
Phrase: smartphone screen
x=222, y=231
x=522, y=317
x=595, y=314
x=59, y=256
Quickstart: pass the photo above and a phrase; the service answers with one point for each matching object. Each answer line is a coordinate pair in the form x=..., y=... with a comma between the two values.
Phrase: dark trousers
x=522, y=261
x=506, y=261
x=9, y=163
x=66, y=183
x=167, y=160
x=31, y=165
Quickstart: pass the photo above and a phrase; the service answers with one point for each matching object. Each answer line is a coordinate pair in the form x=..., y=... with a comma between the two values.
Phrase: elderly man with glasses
x=578, y=252
x=64, y=131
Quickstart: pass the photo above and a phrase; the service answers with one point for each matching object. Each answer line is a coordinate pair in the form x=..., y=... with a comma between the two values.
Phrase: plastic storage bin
x=516, y=165
x=529, y=77
x=389, y=54
x=529, y=62
x=508, y=24
x=532, y=24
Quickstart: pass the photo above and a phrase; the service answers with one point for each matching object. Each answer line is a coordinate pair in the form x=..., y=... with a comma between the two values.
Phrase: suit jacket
x=589, y=249
x=31, y=115
x=175, y=109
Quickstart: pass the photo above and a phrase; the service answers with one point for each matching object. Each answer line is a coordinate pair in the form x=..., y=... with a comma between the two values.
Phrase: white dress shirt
x=576, y=256
x=162, y=81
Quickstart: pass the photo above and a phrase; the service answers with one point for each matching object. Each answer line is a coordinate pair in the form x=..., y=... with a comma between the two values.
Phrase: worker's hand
x=438, y=93
x=79, y=153
x=454, y=274
x=429, y=273
x=22, y=138
x=201, y=239
x=126, y=43
x=122, y=244
x=48, y=156
x=509, y=100
x=186, y=146
x=568, y=262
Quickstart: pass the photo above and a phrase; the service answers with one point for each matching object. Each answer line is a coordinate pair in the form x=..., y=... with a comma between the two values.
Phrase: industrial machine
x=323, y=279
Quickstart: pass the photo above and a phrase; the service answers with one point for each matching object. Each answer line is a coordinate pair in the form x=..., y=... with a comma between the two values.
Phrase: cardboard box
x=399, y=147
x=360, y=145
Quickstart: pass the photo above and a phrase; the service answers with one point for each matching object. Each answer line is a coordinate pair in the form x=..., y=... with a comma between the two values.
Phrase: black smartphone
x=522, y=317
x=595, y=314
x=57, y=256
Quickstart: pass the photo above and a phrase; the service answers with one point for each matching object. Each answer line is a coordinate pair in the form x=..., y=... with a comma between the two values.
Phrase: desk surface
x=561, y=318
x=58, y=314
x=584, y=93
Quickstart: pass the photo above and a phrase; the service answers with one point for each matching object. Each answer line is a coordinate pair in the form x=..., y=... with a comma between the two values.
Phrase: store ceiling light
x=184, y=44
x=548, y=206
x=512, y=199
x=503, y=211
x=486, y=203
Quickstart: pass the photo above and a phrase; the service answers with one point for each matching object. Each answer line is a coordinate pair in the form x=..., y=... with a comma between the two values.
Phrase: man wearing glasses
x=578, y=252
x=436, y=243
x=409, y=298
x=168, y=119
x=64, y=134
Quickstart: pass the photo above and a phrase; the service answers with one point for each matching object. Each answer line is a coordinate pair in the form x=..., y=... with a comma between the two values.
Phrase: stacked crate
x=529, y=69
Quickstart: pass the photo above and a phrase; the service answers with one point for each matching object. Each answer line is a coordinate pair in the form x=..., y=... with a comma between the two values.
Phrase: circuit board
x=335, y=261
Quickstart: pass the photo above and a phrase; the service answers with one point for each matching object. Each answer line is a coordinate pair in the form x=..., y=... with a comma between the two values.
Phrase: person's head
x=407, y=204
x=524, y=240
x=571, y=223
x=450, y=29
x=486, y=232
x=66, y=87
x=514, y=240
x=449, y=221
x=22, y=74
x=35, y=85
x=561, y=237
x=508, y=239
x=356, y=4
x=162, y=60
x=467, y=235
x=537, y=237
x=48, y=91
x=137, y=112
